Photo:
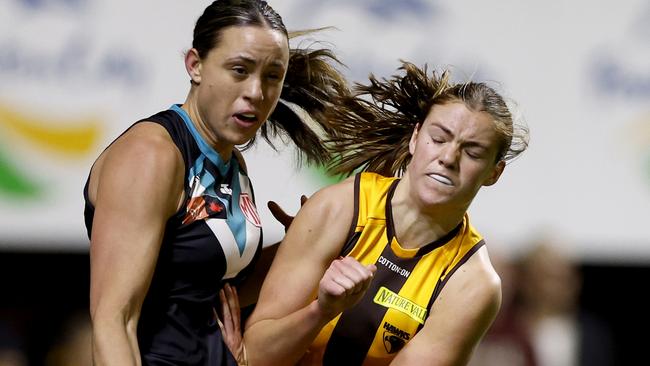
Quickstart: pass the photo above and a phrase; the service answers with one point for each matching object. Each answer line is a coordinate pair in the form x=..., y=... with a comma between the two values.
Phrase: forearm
x=114, y=343
x=283, y=341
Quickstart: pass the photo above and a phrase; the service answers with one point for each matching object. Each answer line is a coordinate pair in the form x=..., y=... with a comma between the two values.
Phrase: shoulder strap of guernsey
x=370, y=190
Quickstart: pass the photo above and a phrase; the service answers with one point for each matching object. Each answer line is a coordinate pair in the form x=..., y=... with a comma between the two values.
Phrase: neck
x=417, y=225
x=191, y=107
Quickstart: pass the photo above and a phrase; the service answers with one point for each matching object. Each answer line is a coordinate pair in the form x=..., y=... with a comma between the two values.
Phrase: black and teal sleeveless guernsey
x=216, y=236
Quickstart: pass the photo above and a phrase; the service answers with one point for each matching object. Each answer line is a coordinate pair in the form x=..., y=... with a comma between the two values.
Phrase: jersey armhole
x=442, y=281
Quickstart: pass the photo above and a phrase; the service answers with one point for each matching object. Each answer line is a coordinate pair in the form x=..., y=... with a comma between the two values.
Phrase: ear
x=414, y=137
x=193, y=65
x=496, y=173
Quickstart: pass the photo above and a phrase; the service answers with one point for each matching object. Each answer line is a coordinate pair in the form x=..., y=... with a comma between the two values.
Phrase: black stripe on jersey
x=441, y=283
x=352, y=236
x=390, y=228
x=355, y=330
x=349, y=245
x=355, y=216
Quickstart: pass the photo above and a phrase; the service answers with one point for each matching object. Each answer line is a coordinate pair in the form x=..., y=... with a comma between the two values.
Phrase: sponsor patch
x=389, y=299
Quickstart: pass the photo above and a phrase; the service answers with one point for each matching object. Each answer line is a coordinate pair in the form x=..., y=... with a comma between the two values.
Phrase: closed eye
x=437, y=139
x=274, y=76
x=475, y=153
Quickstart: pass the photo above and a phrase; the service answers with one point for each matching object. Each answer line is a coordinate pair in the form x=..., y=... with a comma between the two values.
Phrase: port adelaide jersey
x=403, y=289
x=216, y=236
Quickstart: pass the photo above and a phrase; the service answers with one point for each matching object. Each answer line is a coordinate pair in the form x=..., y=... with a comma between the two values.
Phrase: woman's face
x=239, y=83
x=453, y=155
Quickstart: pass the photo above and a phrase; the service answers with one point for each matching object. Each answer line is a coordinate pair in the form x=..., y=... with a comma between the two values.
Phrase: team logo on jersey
x=248, y=208
x=225, y=189
x=203, y=204
x=201, y=208
x=391, y=300
x=394, y=338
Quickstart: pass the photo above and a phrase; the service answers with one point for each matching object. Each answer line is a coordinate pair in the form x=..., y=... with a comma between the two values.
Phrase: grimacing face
x=238, y=83
x=453, y=155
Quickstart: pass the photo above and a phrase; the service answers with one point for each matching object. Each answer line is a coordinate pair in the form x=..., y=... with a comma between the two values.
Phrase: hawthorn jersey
x=403, y=289
x=215, y=236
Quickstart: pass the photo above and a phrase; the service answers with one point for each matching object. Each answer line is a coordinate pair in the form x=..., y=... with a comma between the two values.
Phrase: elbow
x=108, y=319
x=114, y=337
x=253, y=352
x=259, y=353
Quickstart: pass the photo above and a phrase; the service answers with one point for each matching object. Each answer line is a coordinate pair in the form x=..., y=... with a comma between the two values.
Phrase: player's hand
x=279, y=214
x=343, y=285
x=230, y=323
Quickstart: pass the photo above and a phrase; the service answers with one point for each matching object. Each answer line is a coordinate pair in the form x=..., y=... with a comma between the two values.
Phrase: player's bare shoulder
x=335, y=202
x=481, y=283
x=475, y=287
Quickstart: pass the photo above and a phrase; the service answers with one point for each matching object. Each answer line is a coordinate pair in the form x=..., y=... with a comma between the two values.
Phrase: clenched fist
x=343, y=285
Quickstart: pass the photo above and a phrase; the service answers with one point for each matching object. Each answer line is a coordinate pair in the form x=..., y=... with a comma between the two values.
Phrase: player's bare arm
x=131, y=176
x=305, y=268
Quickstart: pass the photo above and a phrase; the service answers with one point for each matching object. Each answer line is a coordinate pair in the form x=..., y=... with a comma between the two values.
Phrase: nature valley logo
x=71, y=140
x=389, y=299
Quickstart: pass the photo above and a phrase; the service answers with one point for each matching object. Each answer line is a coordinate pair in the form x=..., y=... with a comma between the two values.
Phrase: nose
x=449, y=155
x=253, y=90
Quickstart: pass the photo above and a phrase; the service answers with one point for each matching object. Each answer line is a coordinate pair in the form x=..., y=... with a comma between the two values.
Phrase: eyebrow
x=474, y=144
x=443, y=128
x=241, y=57
x=250, y=60
x=470, y=143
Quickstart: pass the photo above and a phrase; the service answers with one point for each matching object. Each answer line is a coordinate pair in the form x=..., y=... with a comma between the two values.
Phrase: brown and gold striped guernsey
x=405, y=285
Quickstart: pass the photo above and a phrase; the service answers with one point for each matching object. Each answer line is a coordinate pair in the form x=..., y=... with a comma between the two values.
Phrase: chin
x=240, y=139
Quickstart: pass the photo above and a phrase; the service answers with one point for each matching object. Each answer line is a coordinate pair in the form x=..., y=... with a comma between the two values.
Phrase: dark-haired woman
x=170, y=210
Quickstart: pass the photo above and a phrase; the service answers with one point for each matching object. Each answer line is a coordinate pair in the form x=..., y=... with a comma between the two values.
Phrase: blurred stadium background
x=75, y=73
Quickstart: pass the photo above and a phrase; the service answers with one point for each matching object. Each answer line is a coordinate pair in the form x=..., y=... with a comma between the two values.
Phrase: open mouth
x=247, y=117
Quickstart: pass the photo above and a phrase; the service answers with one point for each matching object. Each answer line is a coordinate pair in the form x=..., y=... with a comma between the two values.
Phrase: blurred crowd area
x=555, y=311
x=44, y=318
x=541, y=321
x=69, y=345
